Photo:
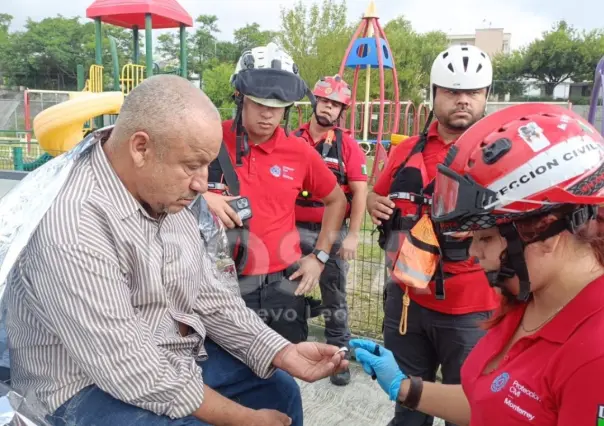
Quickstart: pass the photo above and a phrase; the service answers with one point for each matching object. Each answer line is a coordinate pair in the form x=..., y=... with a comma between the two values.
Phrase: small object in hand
x=376, y=352
x=342, y=349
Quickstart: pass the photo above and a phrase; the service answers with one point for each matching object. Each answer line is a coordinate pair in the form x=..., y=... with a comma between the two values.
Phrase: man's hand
x=310, y=270
x=379, y=208
x=266, y=417
x=348, y=250
x=219, y=206
x=310, y=361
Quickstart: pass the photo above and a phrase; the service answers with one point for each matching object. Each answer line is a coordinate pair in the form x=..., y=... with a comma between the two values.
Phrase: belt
x=311, y=226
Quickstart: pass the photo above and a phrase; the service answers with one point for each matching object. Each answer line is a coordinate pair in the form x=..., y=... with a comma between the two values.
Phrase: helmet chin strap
x=329, y=124
x=513, y=262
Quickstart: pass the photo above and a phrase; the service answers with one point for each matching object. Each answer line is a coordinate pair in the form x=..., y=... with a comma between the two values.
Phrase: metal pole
x=149, y=44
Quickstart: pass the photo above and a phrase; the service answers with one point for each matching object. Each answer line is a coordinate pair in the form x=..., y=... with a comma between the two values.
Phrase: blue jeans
x=221, y=372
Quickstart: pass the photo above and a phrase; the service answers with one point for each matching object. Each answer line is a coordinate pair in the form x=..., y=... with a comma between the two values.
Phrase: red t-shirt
x=468, y=290
x=272, y=176
x=355, y=167
x=551, y=378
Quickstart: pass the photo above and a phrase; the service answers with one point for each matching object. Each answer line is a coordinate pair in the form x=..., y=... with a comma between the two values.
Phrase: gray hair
x=160, y=106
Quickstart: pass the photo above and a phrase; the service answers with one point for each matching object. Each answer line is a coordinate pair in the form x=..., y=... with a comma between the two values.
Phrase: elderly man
x=115, y=313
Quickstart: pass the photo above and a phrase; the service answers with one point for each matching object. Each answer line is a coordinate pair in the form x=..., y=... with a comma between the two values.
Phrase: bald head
x=164, y=139
x=161, y=106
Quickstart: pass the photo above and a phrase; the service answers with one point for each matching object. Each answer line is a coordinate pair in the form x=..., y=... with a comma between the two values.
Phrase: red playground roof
x=128, y=13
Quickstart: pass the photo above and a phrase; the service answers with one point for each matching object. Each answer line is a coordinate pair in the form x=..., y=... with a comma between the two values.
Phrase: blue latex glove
x=384, y=366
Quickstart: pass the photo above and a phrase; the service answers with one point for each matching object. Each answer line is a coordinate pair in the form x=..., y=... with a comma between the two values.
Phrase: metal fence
x=366, y=273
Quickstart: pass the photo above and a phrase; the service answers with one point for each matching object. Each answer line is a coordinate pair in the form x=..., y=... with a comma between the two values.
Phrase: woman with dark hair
x=525, y=182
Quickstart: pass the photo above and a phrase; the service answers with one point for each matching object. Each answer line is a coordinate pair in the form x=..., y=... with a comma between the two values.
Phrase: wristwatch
x=321, y=255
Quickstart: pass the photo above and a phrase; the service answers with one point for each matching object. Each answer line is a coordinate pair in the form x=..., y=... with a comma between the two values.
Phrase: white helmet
x=462, y=67
x=264, y=74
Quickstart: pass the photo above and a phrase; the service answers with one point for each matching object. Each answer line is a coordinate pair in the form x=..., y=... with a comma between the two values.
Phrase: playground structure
x=597, y=94
x=372, y=50
x=134, y=14
x=59, y=128
x=375, y=128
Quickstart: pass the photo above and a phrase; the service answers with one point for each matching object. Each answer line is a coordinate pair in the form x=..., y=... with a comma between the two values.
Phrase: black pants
x=433, y=339
x=272, y=297
x=332, y=283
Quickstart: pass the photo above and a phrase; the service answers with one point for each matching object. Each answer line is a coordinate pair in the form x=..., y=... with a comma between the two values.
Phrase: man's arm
x=379, y=206
x=358, y=205
x=87, y=300
x=356, y=174
x=323, y=185
x=233, y=326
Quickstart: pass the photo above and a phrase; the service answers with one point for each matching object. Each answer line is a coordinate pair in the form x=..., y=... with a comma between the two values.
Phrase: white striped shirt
x=97, y=295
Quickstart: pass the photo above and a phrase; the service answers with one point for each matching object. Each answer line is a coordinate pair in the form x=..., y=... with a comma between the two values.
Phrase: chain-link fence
x=366, y=273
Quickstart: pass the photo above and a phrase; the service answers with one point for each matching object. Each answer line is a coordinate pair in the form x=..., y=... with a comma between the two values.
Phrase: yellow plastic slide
x=59, y=128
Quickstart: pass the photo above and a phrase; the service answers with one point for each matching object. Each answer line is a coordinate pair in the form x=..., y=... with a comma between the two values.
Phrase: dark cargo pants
x=272, y=297
x=332, y=283
x=433, y=339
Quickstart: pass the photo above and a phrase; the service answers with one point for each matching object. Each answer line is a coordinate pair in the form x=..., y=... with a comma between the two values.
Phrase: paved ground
x=361, y=403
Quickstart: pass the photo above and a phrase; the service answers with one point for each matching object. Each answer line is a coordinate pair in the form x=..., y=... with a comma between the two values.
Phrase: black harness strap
x=236, y=236
x=228, y=172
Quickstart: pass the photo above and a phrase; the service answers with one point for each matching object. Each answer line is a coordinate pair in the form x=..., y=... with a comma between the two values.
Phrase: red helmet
x=333, y=88
x=520, y=161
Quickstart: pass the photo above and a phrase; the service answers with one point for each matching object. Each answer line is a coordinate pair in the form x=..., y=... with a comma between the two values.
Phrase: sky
x=524, y=19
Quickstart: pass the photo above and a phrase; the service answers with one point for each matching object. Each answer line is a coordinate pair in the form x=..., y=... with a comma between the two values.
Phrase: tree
x=251, y=36
x=204, y=43
x=555, y=58
x=413, y=54
x=508, y=75
x=217, y=85
x=316, y=37
x=46, y=53
x=591, y=49
x=227, y=52
x=5, y=21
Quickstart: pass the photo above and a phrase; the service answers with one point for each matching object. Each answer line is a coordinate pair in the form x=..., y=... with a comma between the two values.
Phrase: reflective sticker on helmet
x=533, y=135
x=563, y=161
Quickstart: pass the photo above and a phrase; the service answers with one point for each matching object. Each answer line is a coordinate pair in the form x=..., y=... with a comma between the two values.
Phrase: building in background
x=491, y=40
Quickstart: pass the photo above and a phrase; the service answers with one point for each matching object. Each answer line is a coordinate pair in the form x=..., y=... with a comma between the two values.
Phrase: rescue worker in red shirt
x=255, y=181
x=347, y=161
x=526, y=181
x=437, y=326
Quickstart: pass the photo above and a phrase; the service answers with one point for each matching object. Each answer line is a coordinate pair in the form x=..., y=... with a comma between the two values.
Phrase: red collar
x=268, y=146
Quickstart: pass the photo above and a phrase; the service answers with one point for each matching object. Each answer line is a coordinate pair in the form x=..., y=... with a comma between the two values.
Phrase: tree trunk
x=549, y=88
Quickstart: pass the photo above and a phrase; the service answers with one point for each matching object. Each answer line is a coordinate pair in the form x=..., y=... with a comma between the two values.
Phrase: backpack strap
x=339, y=136
x=228, y=171
x=238, y=237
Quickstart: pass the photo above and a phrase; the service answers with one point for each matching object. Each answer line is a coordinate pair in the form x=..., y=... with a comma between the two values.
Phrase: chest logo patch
x=275, y=171
x=499, y=382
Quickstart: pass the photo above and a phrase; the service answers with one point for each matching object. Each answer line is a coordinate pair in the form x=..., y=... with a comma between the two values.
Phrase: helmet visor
x=458, y=197
x=269, y=83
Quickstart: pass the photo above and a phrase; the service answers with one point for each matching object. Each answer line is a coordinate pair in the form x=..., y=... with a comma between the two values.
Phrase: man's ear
x=139, y=146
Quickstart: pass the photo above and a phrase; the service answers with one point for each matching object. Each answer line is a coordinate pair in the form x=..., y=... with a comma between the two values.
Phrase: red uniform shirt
x=272, y=176
x=551, y=378
x=468, y=290
x=355, y=167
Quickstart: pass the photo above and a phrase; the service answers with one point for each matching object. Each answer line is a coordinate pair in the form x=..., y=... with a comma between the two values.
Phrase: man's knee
x=287, y=392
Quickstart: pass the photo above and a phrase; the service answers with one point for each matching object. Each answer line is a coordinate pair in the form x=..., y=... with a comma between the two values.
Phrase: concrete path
x=361, y=403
